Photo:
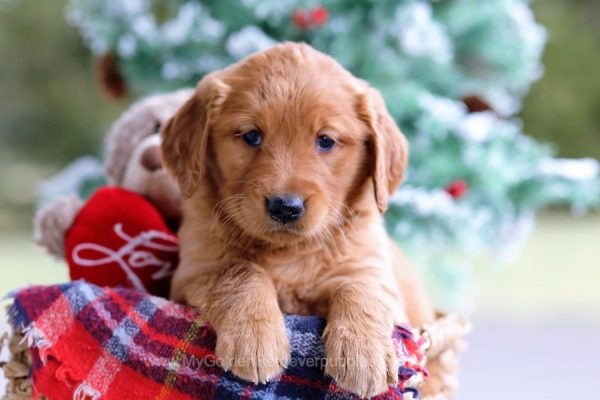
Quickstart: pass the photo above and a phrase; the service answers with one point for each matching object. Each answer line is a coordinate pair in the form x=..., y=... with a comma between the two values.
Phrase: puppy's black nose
x=285, y=209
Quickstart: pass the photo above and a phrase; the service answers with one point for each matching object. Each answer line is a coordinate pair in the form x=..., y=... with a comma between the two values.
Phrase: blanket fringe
x=35, y=338
x=16, y=370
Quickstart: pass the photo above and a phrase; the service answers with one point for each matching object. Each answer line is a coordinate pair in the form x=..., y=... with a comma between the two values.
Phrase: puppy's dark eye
x=253, y=138
x=325, y=143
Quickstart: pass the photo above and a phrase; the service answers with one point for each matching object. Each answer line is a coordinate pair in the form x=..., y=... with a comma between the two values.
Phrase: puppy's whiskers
x=224, y=213
x=218, y=210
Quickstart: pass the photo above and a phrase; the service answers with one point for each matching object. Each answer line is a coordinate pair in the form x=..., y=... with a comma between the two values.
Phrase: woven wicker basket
x=16, y=370
x=446, y=335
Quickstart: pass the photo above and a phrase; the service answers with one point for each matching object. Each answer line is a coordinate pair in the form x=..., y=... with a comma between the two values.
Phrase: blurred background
x=537, y=319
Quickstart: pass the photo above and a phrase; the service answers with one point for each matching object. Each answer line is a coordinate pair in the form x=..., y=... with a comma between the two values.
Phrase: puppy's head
x=290, y=139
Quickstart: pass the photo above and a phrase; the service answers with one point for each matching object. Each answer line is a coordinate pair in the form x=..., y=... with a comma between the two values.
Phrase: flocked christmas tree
x=453, y=74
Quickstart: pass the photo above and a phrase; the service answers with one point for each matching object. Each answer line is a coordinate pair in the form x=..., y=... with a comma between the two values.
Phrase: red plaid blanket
x=93, y=343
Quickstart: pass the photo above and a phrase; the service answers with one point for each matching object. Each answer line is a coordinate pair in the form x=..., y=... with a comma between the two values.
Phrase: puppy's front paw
x=254, y=350
x=363, y=362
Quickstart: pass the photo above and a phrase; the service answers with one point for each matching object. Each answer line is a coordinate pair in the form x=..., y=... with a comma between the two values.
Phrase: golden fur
x=242, y=268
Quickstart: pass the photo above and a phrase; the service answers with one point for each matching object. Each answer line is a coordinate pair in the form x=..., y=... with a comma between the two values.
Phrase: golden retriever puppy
x=287, y=161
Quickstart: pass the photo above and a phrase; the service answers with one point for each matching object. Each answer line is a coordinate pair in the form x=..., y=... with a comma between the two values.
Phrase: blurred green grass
x=558, y=273
x=24, y=264
x=562, y=108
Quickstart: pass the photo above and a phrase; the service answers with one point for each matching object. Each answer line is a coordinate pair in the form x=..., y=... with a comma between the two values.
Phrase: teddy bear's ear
x=185, y=136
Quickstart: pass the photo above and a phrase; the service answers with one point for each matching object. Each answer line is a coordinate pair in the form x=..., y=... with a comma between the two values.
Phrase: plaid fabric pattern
x=94, y=343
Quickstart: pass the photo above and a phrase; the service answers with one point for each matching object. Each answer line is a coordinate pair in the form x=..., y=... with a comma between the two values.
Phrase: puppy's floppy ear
x=388, y=145
x=185, y=136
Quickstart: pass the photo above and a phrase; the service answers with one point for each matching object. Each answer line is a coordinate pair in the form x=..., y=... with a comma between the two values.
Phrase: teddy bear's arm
x=52, y=222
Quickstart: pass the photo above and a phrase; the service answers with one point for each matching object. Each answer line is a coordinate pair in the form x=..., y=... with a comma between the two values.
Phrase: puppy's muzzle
x=285, y=208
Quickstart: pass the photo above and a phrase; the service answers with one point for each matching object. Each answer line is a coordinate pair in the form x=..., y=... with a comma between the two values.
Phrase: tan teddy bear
x=132, y=161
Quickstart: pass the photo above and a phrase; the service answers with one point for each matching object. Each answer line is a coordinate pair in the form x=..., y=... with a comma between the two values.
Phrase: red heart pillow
x=120, y=239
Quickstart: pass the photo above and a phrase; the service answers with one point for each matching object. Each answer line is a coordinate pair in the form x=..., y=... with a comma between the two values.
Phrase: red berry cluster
x=315, y=17
x=457, y=189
